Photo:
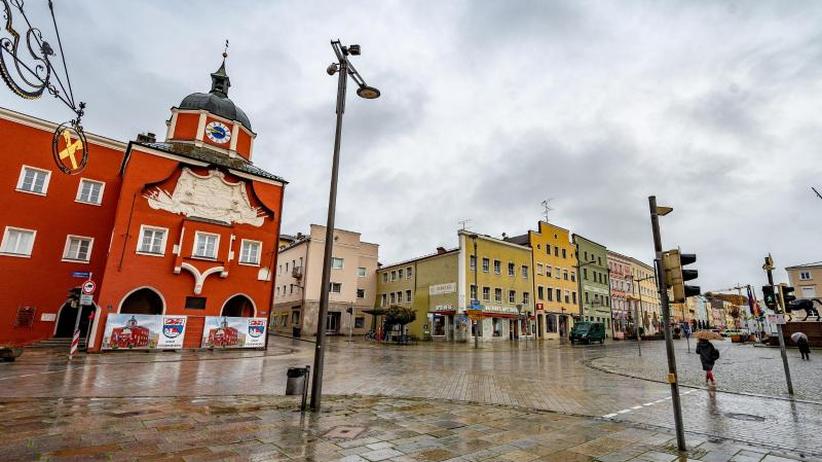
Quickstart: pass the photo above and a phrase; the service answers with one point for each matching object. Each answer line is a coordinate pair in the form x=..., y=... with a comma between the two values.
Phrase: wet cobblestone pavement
x=529, y=375
x=741, y=368
x=350, y=429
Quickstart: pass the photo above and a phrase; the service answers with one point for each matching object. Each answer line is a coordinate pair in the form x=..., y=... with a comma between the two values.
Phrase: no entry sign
x=88, y=287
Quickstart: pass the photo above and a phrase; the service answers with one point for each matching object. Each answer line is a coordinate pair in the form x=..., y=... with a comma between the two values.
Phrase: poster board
x=234, y=332
x=144, y=332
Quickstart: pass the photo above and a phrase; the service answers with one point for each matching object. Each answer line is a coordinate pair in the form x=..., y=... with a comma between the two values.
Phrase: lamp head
x=354, y=50
x=367, y=92
x=332, y=69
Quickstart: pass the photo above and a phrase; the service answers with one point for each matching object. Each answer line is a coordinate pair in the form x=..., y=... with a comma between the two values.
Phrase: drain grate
x=745, y=417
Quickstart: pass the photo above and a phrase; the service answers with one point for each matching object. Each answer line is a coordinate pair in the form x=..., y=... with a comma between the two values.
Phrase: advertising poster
x=144, y=332
x=231, y=332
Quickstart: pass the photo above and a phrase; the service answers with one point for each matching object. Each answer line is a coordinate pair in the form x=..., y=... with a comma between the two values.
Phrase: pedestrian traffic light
x=769, y=294
x=786, y=296
x=675, y=275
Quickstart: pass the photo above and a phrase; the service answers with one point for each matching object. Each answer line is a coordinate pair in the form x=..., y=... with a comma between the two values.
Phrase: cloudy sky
x=490, y=107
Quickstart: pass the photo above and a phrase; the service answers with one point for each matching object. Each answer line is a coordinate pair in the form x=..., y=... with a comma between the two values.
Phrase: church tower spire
x=219, y=79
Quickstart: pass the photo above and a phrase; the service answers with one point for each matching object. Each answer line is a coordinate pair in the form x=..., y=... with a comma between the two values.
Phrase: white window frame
x=335, y=259
x=331, y=287
x=69, y=237
x=362, y=271
x=162, y=246
x=6, y=235
x=197, y=235
x=80, y=189
x=409, y=272
x=259, y=252
x=19, y=187
x=805, y=276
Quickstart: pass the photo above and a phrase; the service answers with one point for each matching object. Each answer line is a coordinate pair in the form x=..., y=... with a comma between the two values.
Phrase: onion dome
x=216, y=101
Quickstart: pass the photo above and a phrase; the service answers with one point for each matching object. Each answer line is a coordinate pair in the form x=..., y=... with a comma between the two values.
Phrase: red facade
x=184, y=227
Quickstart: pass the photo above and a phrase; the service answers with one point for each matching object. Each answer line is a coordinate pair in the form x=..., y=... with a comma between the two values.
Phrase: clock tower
x=211, y=120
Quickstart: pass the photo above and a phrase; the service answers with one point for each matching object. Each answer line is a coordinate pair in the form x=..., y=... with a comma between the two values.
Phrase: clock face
x=218, y=132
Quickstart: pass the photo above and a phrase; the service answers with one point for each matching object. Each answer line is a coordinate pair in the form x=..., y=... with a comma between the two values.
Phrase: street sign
x=86, y=299
x=88, y=287
x=81, y=274
x=776, y=318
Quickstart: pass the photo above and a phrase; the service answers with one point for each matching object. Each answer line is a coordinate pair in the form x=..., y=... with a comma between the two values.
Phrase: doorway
x=239, y=306
x=67, y=318
x=332, y=323
x=143, y=301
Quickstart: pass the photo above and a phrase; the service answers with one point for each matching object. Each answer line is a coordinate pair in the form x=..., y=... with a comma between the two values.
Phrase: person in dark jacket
x=708, y=354
x=804, y=347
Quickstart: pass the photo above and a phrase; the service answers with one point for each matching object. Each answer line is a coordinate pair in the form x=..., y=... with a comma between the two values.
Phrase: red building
x=188, y=226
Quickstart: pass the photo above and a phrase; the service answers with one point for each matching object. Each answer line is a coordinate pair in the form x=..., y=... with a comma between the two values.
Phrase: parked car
x=587, y=332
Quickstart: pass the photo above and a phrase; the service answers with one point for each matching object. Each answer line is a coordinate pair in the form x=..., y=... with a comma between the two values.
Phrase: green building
x=594, y=283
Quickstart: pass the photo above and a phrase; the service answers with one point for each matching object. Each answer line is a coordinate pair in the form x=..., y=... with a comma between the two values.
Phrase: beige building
x=299, y=277
x=806, y=279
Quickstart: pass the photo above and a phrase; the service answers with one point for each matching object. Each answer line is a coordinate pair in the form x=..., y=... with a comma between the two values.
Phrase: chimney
x=146, y=137
x=440, y=250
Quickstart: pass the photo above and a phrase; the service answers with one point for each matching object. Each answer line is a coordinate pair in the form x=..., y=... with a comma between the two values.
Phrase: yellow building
x=555, y=278
x=495, y=287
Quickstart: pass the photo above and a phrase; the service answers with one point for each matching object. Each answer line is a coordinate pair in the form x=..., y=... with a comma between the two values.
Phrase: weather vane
x=27, y=67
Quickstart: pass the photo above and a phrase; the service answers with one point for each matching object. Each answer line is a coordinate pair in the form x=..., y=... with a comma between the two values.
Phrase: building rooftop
x=440, y=251
x=813, y=264
x=212, y=157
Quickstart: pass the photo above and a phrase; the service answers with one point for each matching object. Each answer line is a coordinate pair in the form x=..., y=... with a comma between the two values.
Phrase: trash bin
x=295, y=332
x=295, y=384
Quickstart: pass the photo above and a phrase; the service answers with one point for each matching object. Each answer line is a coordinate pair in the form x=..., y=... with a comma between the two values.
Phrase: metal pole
x=305, y=387
x=769, y=269
x=666, y=317
x=319, y=352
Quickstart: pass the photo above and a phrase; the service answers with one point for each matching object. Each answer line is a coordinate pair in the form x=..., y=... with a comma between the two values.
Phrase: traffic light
x=786, y=296
x=675, y=275
x=769, y=294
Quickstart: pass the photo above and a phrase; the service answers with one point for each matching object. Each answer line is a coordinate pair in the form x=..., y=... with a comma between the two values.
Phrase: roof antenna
x=464, y=223
x=546, y=208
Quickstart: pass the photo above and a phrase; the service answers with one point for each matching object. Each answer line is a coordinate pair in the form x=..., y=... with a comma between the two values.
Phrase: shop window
x=359, y=322
x=497, y=327
x=551, y=324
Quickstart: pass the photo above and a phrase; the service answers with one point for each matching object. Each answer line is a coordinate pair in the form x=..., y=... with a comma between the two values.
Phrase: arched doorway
x=143, y=301
x=68, y=316
x=239, y=306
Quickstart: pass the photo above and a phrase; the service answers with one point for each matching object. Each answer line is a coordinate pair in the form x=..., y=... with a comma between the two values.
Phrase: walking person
x=801, y=341
x=708, y=354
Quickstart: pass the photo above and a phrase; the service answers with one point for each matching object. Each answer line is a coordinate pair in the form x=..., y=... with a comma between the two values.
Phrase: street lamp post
x=638, y=311
x=344, y=69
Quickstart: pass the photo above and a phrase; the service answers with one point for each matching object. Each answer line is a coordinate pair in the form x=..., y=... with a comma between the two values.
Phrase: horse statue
x=805, y=304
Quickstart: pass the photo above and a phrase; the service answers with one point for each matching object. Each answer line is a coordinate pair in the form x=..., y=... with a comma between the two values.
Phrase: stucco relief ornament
x=210, y=197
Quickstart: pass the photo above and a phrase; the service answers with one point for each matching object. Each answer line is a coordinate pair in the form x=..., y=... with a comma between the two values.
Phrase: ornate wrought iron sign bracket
x=27, y=68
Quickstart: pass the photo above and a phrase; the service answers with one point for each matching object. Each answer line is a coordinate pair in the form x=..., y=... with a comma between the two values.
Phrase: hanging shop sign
x=234, y=332
x=69, y=148
x=144, y=332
